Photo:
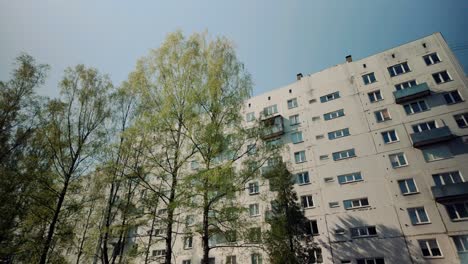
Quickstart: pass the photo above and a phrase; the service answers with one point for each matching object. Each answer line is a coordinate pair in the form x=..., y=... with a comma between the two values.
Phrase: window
x=333, y=204
x=256, y=258
x=159, y=231
x=355, y=203
x=457, y=211
x=461, y=242
x=255, y=234
x=194, y=165
x=424, y=126
x=188, y=242
x=316, y=118
x=251, y=149
x=375, y=96
x=338, y=133
x=390, y=136
x=187, y=261
x=370, y=261
x=415, y=107
x=189, y=220
x=329, y=97
x=369, y=78
x=462, y=120
x=441, y=77
x=323, y=157
x=453, y=97
x=333, y=115
x=159, y=252
x=253, y=188
x=292, y=103
x=303, y=178
x=294, y=120
x=364, y=231
x=345, y=154
x=398, y=160
x=382, y=115
x=328, y=179
x=250, y=117
x=296, y=137
x=231, y=260
x=312, y=228
x=446, y=178
x=254, y=210
x=431, y=59
x=434, y=153
x=398, y=69
x=307, y=201
x=351, y=177
x=405, y=85
x=430, y=248
x=300, y=156
x=230, y=235
x=408, y=186
x=270, y=110
x=418, y=216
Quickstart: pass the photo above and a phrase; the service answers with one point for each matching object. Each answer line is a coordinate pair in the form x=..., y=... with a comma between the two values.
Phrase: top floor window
x=369, y=78
x=405, y=85
x=398, y=69
x=329, y=97
x=292, y=103
x=250, y=117
x=432, y=58
x=270, y=110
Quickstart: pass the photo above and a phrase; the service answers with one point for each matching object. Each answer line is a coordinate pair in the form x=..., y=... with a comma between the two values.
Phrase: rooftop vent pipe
x=299, y=76
x=349, y=58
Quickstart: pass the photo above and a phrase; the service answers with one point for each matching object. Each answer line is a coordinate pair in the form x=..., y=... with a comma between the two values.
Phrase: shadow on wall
x=388, y=242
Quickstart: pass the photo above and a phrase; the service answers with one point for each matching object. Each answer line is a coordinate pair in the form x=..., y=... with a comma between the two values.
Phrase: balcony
x=273, y=127
x=450, y=191
x=432, y=136
x=411, y=93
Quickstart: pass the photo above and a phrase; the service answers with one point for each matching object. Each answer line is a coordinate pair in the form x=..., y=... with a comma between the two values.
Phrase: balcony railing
x=411, y=93
x=274, y=127
x=431, y=136
x=450, y=191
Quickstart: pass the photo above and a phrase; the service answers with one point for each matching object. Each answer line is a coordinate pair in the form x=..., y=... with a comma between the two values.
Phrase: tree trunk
x=205, y=236
x=53, y=224
x=170, y=219
x=80, y=250
x=150, y=237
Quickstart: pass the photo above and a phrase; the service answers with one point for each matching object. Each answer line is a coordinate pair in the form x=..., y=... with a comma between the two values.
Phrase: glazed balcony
x=431, y=136
x=273, y=127
x=450, y=192
x=411, y=93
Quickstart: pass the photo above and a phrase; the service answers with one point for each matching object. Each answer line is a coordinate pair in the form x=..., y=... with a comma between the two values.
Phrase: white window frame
x=419, y=103
x=231, y=259
x=461, y=242
x=456, y=211
x=420, y=127
x=345, y=154
x=452, y=98
x=330, y=97
x=439, y=74
x=426, y=243
x=294, y=120
x=296, y=137
x=409, y=192
x=383, y=118
x=188, y=242
x=256, y=258
x=374, y=96
x=391, y=135
x=398, y=160
x=399, y=65
x=359, y=200
x=367, y=80
x=463, y=117
x=431, y=58
x=363, y=231
x=254, y=210
x=186, y=261
x=408, y=84
x=351, y=176
x=437, y=152
x=301, y=178
x=310, y=226
x=307, y=201
x=292, y=103
x=254, y=188
x=249, y=117
x=270, y=110
x=451, y=175
x=300, y=156
x=338, y=134
x=368, y=260
x=418, y=212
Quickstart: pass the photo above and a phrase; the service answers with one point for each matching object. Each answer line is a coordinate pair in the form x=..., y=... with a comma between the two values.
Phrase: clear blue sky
x=275, y=39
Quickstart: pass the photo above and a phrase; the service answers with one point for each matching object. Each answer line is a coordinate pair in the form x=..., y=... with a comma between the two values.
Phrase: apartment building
x=379, y=147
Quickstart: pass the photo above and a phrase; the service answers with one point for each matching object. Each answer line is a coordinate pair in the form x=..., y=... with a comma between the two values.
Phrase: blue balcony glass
x=432, y=136
x=411, y=93
x=449, y=192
